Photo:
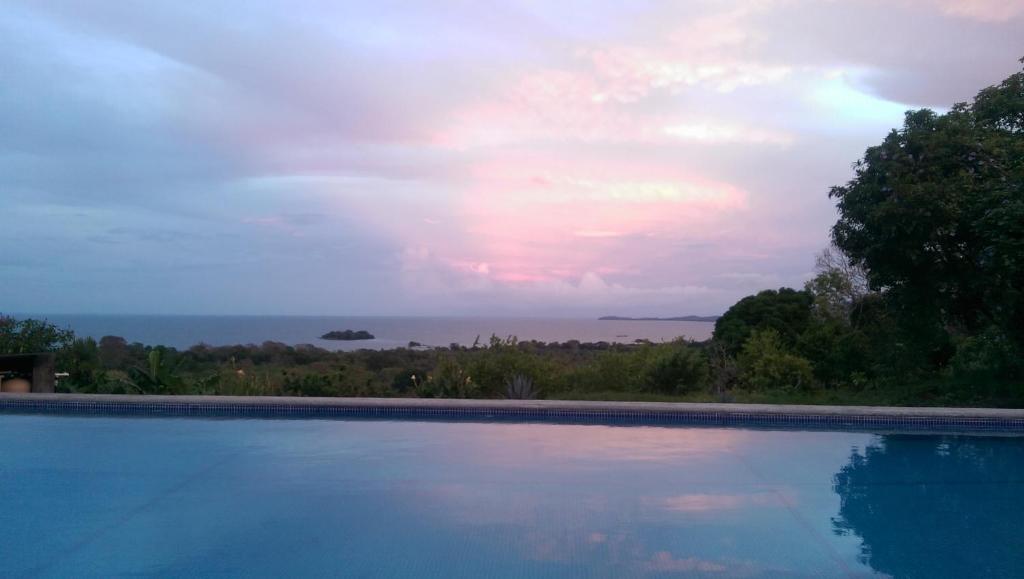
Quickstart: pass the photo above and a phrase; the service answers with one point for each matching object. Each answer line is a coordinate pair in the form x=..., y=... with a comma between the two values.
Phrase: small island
x=676, y=319
x=347, y=335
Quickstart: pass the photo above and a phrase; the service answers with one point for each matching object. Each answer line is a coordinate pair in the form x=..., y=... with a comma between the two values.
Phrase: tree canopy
x=935, y=215
x=29, y=336
x=786, y=310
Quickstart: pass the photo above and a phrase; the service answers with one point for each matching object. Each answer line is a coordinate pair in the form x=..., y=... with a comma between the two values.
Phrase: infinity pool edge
x=683, y=413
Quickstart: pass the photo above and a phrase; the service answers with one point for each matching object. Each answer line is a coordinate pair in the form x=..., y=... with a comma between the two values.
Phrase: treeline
x=500, y=368
x=920, y=300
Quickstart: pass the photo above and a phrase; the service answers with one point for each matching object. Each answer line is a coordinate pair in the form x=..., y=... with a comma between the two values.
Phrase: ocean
x=390, y=332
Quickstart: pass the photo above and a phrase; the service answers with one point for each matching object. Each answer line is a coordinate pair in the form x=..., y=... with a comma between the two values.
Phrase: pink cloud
x=528, y=215
x=983, y=10
x=703, y=503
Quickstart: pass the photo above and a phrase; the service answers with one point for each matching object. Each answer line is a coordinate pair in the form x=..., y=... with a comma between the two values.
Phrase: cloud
x=984, y=10
x=665, y=562
x=453, y=158
x=710, y=503
x=722, y=133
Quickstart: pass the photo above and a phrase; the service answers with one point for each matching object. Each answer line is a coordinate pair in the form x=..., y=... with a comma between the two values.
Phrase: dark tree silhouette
x=930, y=508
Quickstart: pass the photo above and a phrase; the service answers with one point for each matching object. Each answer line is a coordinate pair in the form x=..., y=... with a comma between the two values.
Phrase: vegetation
x=31, y=336
x=347, y=335
x=919, y=301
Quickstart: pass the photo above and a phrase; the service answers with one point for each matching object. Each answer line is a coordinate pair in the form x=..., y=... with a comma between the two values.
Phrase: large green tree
x=787, y=311
x=29, y=336
x=935, y=215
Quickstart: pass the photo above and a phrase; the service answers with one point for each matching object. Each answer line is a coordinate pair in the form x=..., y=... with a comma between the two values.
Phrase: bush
x=449, y=380
x=82, y=362
x=611, y=371
x=766, y=364
x=676, y=369
x=838, y=352
x=493, y=366
x=986, y=357
x=520, y=387
x=312, y=385
x=405, y=380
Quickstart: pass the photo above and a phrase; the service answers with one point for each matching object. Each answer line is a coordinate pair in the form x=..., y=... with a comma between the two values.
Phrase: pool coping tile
x=654, y=413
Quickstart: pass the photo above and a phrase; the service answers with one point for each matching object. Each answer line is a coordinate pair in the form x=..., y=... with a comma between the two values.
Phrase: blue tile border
x=732, y=415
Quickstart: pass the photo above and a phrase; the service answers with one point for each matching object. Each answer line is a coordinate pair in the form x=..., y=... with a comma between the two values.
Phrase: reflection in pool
x=938, y=506
x=187, y=497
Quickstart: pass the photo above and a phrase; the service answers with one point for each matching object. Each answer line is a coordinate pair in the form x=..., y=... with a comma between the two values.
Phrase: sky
x=538, y=158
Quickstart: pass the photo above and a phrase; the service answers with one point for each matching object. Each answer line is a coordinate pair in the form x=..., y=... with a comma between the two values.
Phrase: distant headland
x=348, y=335
x=676, y=319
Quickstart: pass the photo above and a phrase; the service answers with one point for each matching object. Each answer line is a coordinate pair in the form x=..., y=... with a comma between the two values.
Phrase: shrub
x=837, y=351
x=987, y=356
x=520, y=387
x=493, y=366
x=449, y=380
x=312, y=385
x=675, y=369
x=81, y=360
x=766, y=364
x=405, y=380
x=611, y=371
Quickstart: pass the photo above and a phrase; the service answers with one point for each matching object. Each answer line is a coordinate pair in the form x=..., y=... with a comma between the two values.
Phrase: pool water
x=177, y=497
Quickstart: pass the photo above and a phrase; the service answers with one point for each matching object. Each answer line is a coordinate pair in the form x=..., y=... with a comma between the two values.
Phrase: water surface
x=390, y=332
x=172, y=497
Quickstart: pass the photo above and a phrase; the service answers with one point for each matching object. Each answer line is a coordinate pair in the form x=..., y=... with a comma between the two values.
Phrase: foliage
x=723, y=371
x=30, y=336
x=81, y=360
x=493, y=366
x=986, y=357
x=787, y=311
x=838, y=284
x=520, y=387
x=405, y=380
x=618, y=370
x=313, y=384
x=675, y=369
x=114, y=351
x=347, y=335
x=449, y=380
x=935, y=215
x=765, y=364
x=838, y=351
x=158, y=376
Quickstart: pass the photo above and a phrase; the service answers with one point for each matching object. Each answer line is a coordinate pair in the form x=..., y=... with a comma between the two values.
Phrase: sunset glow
x=526, y=157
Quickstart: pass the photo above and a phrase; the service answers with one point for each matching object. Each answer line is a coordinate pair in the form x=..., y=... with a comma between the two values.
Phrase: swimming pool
x=108, y=496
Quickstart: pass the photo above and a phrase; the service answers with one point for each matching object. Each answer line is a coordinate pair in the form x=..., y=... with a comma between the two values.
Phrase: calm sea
x=390, y=332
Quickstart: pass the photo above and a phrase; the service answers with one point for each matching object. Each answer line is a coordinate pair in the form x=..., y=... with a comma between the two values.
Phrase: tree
x=113, y=351
x=29, y=336
x=82, y=363
x=935, y=215
x=838, y=284
x=787, y=311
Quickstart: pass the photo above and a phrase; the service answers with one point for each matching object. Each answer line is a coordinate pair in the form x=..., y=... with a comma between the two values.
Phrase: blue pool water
x=177, y=497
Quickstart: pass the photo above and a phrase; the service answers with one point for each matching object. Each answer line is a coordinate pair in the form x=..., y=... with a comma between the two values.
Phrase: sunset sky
x=566, y=158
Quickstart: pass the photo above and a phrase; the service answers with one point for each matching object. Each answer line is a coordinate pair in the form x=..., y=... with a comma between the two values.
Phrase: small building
x=39, y=369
